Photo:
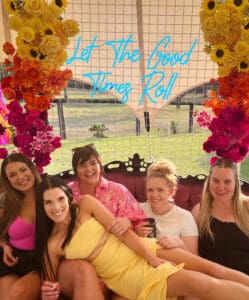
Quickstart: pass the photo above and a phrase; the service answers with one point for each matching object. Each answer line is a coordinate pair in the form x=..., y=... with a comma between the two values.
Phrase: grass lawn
x=183, y=148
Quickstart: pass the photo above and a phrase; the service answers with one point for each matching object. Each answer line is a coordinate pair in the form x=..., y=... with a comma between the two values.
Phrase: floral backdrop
x=36, y=75
x=225, y=26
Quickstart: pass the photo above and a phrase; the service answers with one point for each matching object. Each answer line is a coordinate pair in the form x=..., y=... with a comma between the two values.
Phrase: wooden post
x=191, y=119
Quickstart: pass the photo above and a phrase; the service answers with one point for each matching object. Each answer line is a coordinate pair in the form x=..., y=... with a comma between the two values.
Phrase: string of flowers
x=225, y=26
x=36, y=78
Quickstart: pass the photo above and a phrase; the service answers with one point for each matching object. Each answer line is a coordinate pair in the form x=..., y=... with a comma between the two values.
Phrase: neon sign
x=153, y=82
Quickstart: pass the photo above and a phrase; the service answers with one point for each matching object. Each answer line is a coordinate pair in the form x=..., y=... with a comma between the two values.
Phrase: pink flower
x=229, y=134
x=3, y=153
x=213, y=160
x=203, y=119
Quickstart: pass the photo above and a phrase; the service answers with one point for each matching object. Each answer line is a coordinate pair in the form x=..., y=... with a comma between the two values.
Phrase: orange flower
x=29, y=98
x=9, y=93
x=43, y=103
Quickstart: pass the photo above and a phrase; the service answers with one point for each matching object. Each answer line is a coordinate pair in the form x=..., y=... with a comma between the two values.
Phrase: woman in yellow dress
x=135, y=268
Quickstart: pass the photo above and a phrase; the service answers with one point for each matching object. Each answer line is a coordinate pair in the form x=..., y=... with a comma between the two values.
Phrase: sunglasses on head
x=76, y=149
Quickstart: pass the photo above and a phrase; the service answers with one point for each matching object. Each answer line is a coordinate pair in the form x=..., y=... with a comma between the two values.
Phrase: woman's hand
x=120, y=226
x=143, y=228
x=50, y=290
x=8, y=257
x=155, y=261
x=171, y=242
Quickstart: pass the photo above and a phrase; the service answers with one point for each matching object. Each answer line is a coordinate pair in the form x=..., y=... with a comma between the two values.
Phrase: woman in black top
x=223, y=218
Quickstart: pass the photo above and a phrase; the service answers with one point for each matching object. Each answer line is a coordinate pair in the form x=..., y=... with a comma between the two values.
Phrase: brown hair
x=82, y=154
x=14, y=198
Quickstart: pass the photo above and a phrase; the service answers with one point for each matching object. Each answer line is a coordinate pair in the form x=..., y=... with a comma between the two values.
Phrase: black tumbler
x=153, y=225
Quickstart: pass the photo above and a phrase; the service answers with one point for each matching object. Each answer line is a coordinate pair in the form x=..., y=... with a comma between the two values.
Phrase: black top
x=229, y=248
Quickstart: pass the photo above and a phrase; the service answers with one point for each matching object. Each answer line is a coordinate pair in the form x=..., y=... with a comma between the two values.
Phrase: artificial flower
x=27, y=34
x=230, y=135
x=209, y=6
x=3, y=153
x=243, y=65
x=42, y=38
x=8, y=48
x=10, y=6
x=60, y=3
x=219, y=53
x=227, y=44
x=49, y=45
x=34, y=7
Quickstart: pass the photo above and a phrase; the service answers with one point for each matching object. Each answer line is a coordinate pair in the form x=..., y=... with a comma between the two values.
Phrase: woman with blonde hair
x=223, y=218
x=175, y=226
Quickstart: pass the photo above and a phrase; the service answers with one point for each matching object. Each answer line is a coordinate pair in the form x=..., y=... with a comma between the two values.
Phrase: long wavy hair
x=44, y=225
x=14, y=198
x=240, y=208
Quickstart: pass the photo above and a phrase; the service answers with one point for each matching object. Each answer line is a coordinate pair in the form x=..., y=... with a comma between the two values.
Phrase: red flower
x=8, y=48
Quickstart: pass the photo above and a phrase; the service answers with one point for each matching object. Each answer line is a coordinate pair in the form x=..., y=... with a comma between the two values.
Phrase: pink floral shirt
x=115, y=197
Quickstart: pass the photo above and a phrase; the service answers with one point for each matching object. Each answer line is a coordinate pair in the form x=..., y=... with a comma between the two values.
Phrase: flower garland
x=225, y=26
x=36, y=78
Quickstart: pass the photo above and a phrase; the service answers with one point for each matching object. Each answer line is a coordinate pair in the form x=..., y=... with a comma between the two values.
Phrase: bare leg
x=190, y=283
x=78, y=280
x=26, y=287
x=5, y=284
x=199, y=264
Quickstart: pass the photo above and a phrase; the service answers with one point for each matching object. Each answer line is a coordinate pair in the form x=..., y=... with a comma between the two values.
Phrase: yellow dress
x=122, y=270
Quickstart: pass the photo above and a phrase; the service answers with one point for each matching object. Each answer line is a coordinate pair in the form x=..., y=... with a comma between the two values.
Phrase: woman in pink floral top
x=115, y=197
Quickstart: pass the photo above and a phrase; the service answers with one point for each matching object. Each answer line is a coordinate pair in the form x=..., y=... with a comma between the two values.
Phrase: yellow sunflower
x=219, y=53
x=209, y=6
x=48, y=29
x=239, y=4
x=60, y=3
x=33, y=53
x=243, y=65
x=10, y=6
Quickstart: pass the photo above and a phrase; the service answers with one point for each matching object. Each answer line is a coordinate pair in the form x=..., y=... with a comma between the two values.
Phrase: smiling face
x=158, y=193
x=89, y=171
x=56, y=204
x=222, y=184
x=20, y=176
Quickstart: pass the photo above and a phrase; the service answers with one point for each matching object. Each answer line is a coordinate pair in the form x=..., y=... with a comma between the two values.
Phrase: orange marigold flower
x=67, y=74
x=29, y=98
x=9, y=93
x=43, y=103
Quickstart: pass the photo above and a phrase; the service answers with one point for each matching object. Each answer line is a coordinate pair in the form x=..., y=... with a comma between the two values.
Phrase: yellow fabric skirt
x=122, y=270
x=129, y=275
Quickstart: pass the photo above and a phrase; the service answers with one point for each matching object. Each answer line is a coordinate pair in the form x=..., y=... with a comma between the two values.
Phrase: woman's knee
x=85, y=270
x=190, y=283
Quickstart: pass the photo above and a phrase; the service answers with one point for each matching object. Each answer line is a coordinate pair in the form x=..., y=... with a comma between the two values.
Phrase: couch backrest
x=132, y=174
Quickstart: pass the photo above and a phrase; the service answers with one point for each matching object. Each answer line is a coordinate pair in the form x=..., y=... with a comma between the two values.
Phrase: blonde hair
x=164, y=169
x=240, y=208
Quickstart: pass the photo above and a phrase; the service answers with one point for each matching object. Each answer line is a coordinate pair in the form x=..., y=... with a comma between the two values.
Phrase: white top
x=177, y=222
